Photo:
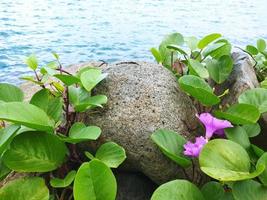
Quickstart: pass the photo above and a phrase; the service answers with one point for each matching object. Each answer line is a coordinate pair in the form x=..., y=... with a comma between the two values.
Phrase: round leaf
x=91, y=78
x=208, y=39
x=196, y=68
x=156, y=55
x=219, y=70
x=213, y=48
x=177, y=190
x=176, y=48
x=252, y=130
x=35, y=152
x=263, y=161
x=191, y=42
x=111, y=154
x=256, y=97
x=27, y=115
x=238, y=135
x=172, y=145
x=32, y=62
x=67, y=79
x=6, y=136
x=94, y=180
x=249, y=190
x=219, y=160
x=62, y=183
x=25, y=188
x=215, y=191
x=9, y=93
x=240, y=114
x=199, y=89
x=261, y=45
x=252, y=50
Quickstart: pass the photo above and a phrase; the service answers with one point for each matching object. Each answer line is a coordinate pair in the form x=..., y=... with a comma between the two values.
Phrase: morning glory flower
x=213, y=125
x=194, y=149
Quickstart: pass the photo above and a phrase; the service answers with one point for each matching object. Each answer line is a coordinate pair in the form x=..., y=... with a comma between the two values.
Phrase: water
x=114, y=30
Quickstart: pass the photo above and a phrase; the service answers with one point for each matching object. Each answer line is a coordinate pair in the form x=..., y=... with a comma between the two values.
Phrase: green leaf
x=35, y=152
x=215, y=191
x=238, y=134
x=252, y=130
x=67, y=79
x=191, y=43
x=172, y=145
x=257, y=150
x=223, y=50
x=62, y=183
x=261, y=45
x=252, y=50
x=198, y=69
x=256, y=97
x=89, y=155
x=263, y=161
x=111, y=154
x=80, y=133
x=6, y=136
x=4, y=170
x=218, y=159
x=91, y=78
x=50, y=104
x=28, y=115
x=199, y=89
x=94, y=180
x=177, y=190
x=240, y=114
x=208, y=39
x=213, y=48
x=249, y=190
x=10, y=93
x=174, y=38
x=32, y=62
x=219, y=70
x=25, y=189
x=91, y=102
x=176, y=48
x=56, y=56
x=156, y=55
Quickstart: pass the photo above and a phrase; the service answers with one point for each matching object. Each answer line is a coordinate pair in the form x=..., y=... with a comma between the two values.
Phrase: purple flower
x=194, y=149
x=213, y=125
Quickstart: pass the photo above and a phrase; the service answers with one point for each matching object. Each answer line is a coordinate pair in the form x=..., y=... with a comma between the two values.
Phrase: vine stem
x=38, y=79
x=249, y=55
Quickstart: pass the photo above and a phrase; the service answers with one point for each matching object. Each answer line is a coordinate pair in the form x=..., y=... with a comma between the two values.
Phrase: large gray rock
x=243, y=77
x=143, y=97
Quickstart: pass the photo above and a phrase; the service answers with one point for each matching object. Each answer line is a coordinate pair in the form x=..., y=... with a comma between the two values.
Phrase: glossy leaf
x=238, y=134
x=91, y=78
x=94, y=180
x=174, y=47
x=263, y=161
x=35, y=152
x=191, y=42
x=249, y=190
x=91, y=102
x=257, y=150
x=211, y=49
x=198, y=69
x=252, y=50
x=50, y=104
x=223, y=50
x=219, y=160
x=256, y=97
x=177, y=190
x=172, y=145
x=25, y=189
x=219, y=70
x=215, y=191
x=62, y=183
x=252, y=130
x=80, y=133
x=10, y=93
x=32, y=62
x=67, y=79
x=156, y=55
x=199, y=89
x=240, y=114
x=208, y=39
x=111, y=154
x=28, y=115
x=6, y=136
x=4, y=170
x=261, y=45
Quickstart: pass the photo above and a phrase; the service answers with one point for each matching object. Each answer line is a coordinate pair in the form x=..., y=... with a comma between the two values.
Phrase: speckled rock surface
x=143, y=97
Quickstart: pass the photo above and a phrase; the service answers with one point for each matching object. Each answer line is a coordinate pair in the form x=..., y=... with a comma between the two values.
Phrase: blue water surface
x=115, y=30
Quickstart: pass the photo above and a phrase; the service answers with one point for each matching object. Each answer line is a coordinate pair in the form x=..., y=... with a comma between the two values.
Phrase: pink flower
x=213, y=125
x=194, y=149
